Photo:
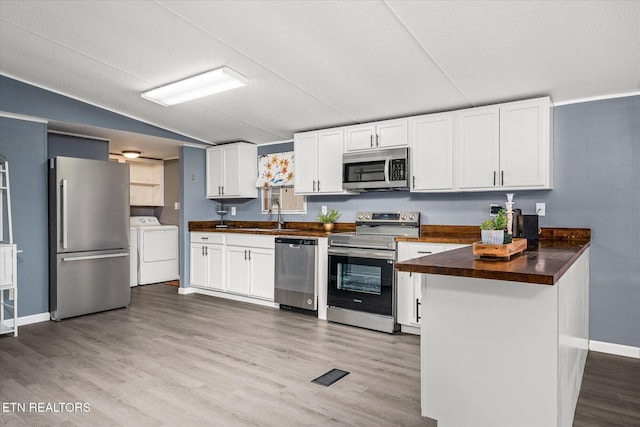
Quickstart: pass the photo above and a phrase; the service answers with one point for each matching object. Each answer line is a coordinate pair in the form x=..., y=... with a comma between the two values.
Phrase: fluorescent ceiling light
x=131, y=154
x=205, y=84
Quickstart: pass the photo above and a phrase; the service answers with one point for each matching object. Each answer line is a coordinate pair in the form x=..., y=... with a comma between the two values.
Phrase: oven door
x=362, y=280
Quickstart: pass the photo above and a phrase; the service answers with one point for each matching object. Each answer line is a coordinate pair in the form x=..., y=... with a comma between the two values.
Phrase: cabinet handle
x=206, y=251
x=425, y=252
x=501, y=177
x=377, y=138
x=249, y=254
x=245, y=254
x=318, y=185
x=417, y=310
x=222, y=190
x=414, y=181
x=494, y=177
x=371, y=140
x=218, y=190
x=314, y=185
x=202, y=250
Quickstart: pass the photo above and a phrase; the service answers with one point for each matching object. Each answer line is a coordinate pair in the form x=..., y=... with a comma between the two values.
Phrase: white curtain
x=275, y=170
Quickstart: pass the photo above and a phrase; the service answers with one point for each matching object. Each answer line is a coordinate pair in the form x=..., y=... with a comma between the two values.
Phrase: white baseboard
x=186, y=291
x=28, y=320
x=617, y=349
x=226, y=295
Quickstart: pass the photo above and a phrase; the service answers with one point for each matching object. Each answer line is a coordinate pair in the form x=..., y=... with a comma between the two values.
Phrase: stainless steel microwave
x=385, y=169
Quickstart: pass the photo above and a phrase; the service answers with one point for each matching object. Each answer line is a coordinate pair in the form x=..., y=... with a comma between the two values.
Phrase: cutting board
x=505, y=251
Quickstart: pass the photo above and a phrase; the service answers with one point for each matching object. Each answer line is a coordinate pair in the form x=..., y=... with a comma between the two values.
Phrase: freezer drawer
x=88, y=282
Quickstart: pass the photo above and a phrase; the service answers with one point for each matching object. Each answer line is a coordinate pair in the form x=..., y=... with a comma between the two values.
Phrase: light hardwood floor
x=194, y=360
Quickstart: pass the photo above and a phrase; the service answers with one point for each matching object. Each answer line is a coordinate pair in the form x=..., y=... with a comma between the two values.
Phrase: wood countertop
x=269, y=228
x=543, y=265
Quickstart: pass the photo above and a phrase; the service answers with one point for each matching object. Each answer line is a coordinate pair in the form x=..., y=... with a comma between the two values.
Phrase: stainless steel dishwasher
x=295, y=273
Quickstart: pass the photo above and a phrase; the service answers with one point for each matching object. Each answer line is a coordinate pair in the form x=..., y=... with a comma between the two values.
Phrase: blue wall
x=75, y=146
x=24, y=144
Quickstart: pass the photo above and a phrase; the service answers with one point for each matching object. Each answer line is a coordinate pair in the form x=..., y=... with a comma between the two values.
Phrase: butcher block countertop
x=557, y=250
x=269, y=228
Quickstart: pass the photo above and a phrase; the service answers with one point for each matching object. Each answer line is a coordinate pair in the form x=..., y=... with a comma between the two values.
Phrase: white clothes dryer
x=157, y=250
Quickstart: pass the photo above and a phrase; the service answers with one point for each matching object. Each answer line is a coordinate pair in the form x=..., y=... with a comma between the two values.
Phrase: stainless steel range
x=362, y=278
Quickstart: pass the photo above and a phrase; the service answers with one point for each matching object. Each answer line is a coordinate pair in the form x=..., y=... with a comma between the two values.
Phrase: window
x=289, y=202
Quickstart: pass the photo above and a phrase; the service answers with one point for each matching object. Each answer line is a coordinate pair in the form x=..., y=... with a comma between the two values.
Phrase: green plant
x=497, y=223
x=329, y=217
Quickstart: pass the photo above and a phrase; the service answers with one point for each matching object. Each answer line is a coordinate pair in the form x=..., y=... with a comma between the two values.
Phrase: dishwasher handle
x=295, y=242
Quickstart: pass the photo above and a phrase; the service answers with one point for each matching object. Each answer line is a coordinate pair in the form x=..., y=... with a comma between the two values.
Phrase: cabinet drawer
x=249, y=240
x=204, y=237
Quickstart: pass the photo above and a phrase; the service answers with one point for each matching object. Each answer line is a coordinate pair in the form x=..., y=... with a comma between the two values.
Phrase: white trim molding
x=596, y=98
x=186, y=291
x=9, y=115
x=28, y=320
x=616, y=349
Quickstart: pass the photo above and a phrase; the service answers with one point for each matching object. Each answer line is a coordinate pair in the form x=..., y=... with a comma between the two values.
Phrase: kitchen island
x=504, y=343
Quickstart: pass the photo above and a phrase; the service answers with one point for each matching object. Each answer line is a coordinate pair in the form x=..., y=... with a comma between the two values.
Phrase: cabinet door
x=432, y=152
x=214, y=172
x=231, y=173
x=478, y=148
x=305, y=151
x=405, y=297
x=525, y=156
x=262, y=273
x=237, y=270
x=330, y=145
x=198, y=268
x=215, y=266
x=361, y=137
x=391, y=133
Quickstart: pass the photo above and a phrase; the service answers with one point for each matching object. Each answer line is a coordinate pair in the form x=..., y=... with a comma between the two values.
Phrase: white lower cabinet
x=409, y=284
x=250, y=265
x=239, y=264
x=207, y=260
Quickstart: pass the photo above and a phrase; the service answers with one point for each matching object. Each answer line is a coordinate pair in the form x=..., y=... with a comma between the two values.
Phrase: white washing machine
x=157, y=250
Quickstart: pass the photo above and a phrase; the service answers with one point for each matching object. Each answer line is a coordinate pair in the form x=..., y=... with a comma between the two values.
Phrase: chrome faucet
x=280, y=222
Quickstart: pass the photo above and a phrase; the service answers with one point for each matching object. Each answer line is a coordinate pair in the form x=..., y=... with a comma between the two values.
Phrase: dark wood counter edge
x=539, y=279
x=313, y=229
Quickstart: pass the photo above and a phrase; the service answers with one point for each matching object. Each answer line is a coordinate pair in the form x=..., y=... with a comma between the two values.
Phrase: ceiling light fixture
x=218, y=80
x=131, y=154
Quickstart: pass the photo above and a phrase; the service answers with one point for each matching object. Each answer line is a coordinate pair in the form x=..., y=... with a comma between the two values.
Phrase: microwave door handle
x=386, y=170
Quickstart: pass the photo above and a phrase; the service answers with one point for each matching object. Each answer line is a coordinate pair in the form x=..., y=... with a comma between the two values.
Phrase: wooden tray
x=505, y=251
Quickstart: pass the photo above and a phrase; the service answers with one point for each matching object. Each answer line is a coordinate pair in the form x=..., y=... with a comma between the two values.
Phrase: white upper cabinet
x=431, y=141
x=318, y=162
x=384, y=134
x=232, y=170
x=506, y=146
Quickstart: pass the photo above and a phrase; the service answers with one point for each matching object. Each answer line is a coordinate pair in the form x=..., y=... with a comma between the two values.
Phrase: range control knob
x=403, y=217
x=360, y=216
x=368, y=216
x=412, y=217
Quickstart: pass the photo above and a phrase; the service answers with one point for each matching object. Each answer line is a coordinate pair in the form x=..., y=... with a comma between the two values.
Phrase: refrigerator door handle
x=83, y=258
x=63, y=189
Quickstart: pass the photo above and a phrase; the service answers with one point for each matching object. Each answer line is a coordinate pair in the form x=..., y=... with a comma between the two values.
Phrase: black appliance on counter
x=362, y=279
x=526, y=227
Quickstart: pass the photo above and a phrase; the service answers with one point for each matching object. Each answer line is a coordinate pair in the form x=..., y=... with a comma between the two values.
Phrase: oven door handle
x=363, y=253
x=360, y=248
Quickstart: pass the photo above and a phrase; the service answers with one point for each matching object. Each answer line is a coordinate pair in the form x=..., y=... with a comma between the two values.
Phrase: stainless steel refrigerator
x=88, y=236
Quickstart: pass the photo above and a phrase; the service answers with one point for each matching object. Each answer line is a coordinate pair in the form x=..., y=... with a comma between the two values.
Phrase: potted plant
x=492, y=230
x=327, y=219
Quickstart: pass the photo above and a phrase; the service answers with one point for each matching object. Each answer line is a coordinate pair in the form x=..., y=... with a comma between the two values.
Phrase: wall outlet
x=494, y=209
x=11, y=297
x=176, y=206
x=323, y=210
x=233, y=211
x=541, y=209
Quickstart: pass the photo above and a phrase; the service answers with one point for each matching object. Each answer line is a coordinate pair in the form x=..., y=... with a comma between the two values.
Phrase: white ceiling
x=315, y=64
